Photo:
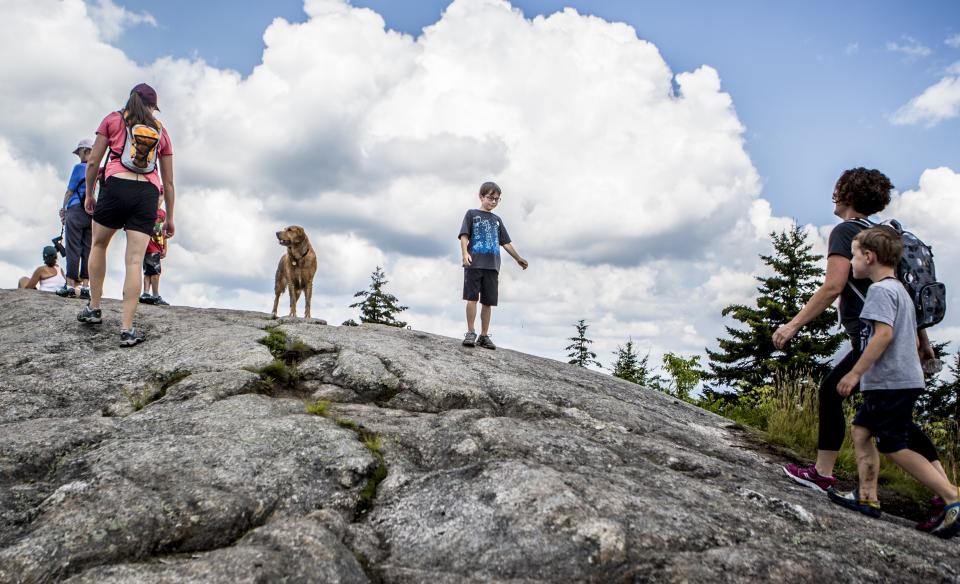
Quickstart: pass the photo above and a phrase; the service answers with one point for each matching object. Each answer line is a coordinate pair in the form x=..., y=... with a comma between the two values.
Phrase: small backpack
x=918, y=274
x=140, y=147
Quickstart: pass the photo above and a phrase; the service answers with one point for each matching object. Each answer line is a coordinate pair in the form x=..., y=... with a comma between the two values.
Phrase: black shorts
x=888, y=414
x=127, y=204
x=151, y=264
x=481, y=285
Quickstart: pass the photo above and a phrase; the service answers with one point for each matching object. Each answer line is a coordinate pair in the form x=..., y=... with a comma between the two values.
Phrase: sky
x=646, y=149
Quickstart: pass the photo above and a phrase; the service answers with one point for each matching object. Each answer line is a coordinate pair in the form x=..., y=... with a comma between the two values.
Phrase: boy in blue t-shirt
x=891, y=380
x=481, y=235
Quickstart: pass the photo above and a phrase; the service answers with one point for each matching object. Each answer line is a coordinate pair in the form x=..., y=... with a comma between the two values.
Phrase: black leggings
x=832, y=423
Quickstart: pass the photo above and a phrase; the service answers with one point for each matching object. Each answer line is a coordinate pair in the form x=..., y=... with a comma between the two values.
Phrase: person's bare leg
x=926, y=473
x=868, y=462
x=155, y=285
x=146, y=285
x=136, y=247
x=485, y=312
x=471, y=314
x=826, y=460
x=97, y=262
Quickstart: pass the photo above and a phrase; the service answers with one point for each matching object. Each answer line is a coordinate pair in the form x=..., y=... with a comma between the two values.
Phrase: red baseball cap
x=147, y=94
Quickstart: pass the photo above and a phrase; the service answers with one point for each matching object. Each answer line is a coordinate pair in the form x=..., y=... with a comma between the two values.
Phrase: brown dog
x=296, y=269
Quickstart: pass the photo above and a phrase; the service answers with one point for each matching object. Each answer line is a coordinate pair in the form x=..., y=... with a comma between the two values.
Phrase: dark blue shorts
x=888, y=414
x=482, y=285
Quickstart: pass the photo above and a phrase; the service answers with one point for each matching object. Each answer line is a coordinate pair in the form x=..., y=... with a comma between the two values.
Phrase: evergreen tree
x=630, y=367
x=941, y=400
x=377, y=306
x=685, y=375
x=748, y=358
x=580, y=353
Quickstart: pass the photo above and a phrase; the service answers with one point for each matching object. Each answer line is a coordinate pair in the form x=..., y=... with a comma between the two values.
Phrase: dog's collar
x=297, y=259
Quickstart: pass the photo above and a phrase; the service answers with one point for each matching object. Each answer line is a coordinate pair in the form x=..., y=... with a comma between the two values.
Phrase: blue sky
x=813, y=82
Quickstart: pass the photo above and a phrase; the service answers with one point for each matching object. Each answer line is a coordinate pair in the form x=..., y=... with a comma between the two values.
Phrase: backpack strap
x=866, y=224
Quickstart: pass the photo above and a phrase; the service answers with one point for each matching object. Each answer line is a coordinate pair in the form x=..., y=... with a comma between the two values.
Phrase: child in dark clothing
x=481, y=235
x=891, y=379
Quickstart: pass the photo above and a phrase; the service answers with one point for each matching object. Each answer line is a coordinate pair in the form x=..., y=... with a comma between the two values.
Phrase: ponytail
x=136, y=112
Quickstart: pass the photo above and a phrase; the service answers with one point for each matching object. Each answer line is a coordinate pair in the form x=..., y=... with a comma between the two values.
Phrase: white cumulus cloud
x=112, y=20
x=937, y=103
x=911, y=48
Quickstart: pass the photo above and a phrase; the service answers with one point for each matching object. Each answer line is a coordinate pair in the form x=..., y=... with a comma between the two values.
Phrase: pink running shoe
x=936, y=512
x=809, y=477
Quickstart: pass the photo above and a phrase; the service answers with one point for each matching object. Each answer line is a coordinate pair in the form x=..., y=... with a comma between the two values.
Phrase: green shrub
x=318, y=408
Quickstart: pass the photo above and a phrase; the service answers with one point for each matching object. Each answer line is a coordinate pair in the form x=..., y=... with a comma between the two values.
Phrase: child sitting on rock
x=481, y=235
x=891, y=379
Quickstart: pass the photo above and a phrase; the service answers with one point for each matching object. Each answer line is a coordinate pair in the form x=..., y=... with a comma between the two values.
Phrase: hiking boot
x=90, y=315
x=809, y=477
x=131, y=337
x=485, y=342
x=936, y=511
x=146, y=298
x=853, y=501
x=85, y=293
x=157, y=300
x=949, y=524
x=470, y=340
x=65, y=292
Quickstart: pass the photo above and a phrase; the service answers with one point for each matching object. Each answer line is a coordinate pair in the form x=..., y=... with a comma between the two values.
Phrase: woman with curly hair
x=859, y=193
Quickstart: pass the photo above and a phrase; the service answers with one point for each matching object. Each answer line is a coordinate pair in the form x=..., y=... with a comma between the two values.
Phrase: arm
x=838, y=268
x=882, y=335
x=513, y=253
x=93, y=167
x=169, y=194
x=63, y=205
x=465, y=255
x=163, y=252
x=923, y=346
x=34, y=279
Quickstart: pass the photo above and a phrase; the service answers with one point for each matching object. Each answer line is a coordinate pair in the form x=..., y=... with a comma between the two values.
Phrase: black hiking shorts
x=888, y=414
x=481, y=285
x=127, y=204
x=151, y=264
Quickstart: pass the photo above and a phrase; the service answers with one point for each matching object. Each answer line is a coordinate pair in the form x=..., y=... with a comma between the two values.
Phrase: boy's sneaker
x=470, y=340
x=85, y=293
x=157, y=300
x=65, y=292
x=809, y=477
x=131, y=337
x=146, y=298
x=853, y=501
x=485, y=342
x=949, y=524
x=936, y=511
x=90, y=315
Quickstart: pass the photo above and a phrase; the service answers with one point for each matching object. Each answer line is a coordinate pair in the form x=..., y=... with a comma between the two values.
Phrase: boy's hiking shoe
x=158, y=301
x=809, y=477
x=936, y=511
x=65, y=292
x=949, y=524
x=90, y=315
x=853, y=501
x=131, y=337
x=85, y=293
x=146, y=298
x=470, y=340
x=485, y=342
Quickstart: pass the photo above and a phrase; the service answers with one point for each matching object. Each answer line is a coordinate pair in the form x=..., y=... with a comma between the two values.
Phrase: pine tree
x=630, y=367
x=580, y=353
x=748, y=358
x=377, y=306
x=941, y=400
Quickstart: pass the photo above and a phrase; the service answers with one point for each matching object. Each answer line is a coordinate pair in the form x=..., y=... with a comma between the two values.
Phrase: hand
x=926, y=352
x=467, y=260
x=88, y=204
x=782, y=335
x=63, y=215
x=163, y=254
x=168, y=227
x=846, y=385
x=523, y=263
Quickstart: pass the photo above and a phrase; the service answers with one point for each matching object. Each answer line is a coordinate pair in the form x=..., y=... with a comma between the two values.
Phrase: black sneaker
x=485, y=342
x=90, y=315
x=160, y=301
x=853, y=501
x=131, y=337
x=85, y=293
x=146, y=299
x=65, y=292
x=470, y=340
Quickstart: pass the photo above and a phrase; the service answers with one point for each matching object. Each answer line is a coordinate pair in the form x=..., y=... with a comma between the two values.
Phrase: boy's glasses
x=490, y=198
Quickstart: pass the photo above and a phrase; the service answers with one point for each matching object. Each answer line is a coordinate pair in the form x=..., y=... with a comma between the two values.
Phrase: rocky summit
x=230, y=447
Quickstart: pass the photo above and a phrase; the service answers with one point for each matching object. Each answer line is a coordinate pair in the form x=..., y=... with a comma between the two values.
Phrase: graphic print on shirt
x=485, y=236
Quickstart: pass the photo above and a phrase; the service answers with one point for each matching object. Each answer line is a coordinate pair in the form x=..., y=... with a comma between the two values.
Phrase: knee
x=22, y=283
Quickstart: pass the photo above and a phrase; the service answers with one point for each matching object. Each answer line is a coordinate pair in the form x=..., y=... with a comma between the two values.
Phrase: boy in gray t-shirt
x=891, y=380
